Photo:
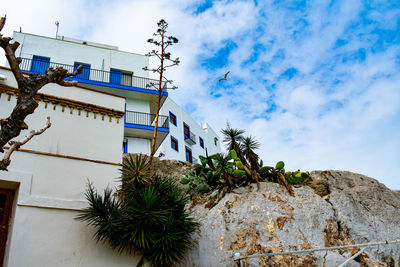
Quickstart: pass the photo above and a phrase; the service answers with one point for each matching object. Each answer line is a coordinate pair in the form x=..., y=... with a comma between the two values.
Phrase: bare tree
x=165, y=62
x=28, y=86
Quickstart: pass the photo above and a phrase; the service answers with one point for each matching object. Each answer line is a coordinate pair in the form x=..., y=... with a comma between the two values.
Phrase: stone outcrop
x=338, y=208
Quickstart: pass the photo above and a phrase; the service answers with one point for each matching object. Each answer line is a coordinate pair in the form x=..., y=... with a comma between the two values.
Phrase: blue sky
x=317, y=82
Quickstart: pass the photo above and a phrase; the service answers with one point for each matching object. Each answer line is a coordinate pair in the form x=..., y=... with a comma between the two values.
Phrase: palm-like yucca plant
x=135, y=171
x=248, y=145
x=232, y=138
x=152, y=220
x=104, y=214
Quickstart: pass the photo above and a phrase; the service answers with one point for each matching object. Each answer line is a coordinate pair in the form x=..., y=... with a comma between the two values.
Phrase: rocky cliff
x=338, y=208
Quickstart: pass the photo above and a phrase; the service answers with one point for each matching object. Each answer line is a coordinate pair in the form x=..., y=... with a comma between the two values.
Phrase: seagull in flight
x=224, y=79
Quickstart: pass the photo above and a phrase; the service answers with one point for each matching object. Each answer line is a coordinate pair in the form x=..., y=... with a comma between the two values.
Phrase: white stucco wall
x=177, y=132
x=51, y=189
x=138, y=145
x=68, y=52
x=137, y=105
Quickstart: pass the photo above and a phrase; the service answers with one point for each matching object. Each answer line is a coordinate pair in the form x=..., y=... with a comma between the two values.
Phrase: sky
x=317, y=83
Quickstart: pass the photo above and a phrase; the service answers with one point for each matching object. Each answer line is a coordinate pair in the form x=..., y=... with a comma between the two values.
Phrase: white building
x=110, y=70
x=109, y=111
x=44, y=187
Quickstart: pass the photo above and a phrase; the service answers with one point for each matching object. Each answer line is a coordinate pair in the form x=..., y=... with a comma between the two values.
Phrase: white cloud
x=331, y=115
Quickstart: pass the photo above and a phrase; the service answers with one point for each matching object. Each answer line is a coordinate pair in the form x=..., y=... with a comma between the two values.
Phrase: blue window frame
x=188, y=153
x=174, y=143
x=115, y=76
x=85, y=74
x=186, y=131
x=172, y=118
x=40, y=64
x=201, y=141
x=126, y=146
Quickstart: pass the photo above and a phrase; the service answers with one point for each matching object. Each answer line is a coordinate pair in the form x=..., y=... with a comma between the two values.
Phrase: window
x=201, y=142
x=121, y=77
x=172, y=118
x=186, y=131
x=125, y=145
x=40, y=64
x=188, y=154
x=84, y=75
x=174, y=144
x=215, y=141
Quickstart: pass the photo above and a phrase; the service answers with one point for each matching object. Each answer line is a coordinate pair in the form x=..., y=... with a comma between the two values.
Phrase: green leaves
x=279, y=165
x=239, y=173
x=184, y=180
x=151, y=219
x=135, y=170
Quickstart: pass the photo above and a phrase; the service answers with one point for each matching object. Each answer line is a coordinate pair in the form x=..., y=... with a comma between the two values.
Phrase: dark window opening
x=125, y=146
x=201, y=142
x=215, y=141
x=189, y=155
x=186, y=131
x=172, y=118
x=174, y=144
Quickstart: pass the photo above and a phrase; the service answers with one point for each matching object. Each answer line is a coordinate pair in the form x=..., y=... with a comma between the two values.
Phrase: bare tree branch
x=162, y=55
x=15, y=145
x=28, y=86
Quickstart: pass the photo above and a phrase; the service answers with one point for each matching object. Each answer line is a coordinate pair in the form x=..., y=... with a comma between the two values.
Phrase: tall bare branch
x=15, y=145
x=28, y=86
x=162, y=55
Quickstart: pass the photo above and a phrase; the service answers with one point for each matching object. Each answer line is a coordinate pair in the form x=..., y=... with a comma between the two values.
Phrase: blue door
x=115, y=76
x=40, y=64
x=85, y=74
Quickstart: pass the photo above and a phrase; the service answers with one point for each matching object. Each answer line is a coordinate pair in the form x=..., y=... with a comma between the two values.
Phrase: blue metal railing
x=40, y=65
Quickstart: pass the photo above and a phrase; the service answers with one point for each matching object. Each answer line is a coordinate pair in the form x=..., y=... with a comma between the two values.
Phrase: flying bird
x=224, y=79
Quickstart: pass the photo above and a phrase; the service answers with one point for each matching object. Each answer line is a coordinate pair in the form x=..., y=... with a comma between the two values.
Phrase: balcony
x=141, y=125
x=113, y=78
x=189, y=137
x=146, y=120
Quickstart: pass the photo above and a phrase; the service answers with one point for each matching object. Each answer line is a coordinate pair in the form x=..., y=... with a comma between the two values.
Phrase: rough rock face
x=174, y=168
x=345, y=208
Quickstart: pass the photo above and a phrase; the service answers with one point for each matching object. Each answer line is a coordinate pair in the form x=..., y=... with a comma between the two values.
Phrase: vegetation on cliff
x=147, y=214
x=220, y=173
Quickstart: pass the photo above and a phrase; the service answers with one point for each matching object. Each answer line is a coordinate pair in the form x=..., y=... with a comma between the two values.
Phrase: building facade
x=44, y=186
x=108, y=69
x=111, y=111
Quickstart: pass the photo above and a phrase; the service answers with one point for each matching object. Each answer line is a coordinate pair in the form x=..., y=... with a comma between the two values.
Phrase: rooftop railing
x=146, y=119
x=117, y=77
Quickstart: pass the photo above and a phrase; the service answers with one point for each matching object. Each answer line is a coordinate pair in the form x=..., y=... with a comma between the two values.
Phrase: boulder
x=338, y=208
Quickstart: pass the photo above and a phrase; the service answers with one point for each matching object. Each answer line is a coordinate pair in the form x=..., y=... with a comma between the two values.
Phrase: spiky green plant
x=248, y=145
x=135, y=171
x=104, y=214
x=152, y=220
x=232, y=138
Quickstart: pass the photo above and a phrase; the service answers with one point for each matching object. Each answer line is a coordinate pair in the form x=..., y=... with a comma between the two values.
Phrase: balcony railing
x=110, y=77
x=190, y=138
x=146, y=119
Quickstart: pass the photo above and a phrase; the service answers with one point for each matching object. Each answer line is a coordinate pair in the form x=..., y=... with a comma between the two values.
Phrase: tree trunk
x=153, y=142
